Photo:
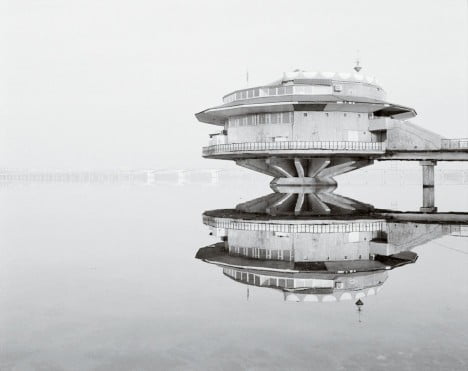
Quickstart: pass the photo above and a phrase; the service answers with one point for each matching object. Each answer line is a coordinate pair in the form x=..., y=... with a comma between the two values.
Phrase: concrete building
x=307, y=127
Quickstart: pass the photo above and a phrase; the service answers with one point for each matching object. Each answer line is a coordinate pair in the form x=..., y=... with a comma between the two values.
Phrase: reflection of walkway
x=171, y=176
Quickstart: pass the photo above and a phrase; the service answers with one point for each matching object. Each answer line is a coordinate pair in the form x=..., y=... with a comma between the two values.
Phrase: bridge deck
x=437, y=155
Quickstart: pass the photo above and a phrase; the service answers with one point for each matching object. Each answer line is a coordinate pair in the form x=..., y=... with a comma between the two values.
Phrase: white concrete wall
x=258, y=133
x=332, y=246
x=360, y=90
x=307, y=246
x=332, y=126
x=404, y=135
x=309, y=126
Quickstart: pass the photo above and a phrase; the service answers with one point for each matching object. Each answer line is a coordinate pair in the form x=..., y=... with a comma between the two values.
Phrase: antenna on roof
x=247, y=77
x=357, y=67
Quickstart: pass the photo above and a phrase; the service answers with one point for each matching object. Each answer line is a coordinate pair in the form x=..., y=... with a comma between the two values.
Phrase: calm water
x=104, y=277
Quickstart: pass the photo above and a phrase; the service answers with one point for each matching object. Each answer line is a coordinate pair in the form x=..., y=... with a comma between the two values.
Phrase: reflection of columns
x=214, y=176
x=428, y=186
x=180, y=177
x=150, y=176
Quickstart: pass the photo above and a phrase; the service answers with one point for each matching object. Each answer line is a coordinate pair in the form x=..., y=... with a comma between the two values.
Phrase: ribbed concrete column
x=428, y=186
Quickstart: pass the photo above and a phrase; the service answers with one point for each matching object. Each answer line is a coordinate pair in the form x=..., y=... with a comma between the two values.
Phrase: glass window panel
x=272, y=91
x=274, y=118
x=299, y=89
x=288, y=90
x=256, y=92
x=285, y=117
x=250, y=93
x=281, y=91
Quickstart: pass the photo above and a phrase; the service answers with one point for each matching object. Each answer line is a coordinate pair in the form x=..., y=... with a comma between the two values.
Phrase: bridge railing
x=315, y=145
x=455, y=144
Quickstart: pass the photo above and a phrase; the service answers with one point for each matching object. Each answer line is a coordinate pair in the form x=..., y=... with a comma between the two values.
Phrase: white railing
x=455, y=144
x=291, y=146
x=306, y=227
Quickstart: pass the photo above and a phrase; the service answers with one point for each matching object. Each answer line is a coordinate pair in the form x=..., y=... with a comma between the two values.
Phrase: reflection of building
x=317, y=256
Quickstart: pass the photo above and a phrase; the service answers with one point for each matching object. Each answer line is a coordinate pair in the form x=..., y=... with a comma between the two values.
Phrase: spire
x=357, y=67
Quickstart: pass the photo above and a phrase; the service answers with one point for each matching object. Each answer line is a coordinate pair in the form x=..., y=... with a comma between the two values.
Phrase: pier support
x=428, y=186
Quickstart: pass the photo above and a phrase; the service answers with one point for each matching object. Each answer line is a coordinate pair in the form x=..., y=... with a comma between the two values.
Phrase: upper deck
x=347, y=92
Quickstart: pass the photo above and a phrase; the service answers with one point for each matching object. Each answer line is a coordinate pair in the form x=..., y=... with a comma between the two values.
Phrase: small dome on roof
x=298, y=76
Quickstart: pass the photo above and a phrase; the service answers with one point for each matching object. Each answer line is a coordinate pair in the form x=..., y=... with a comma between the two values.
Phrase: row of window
x=264, y=254
x=262, y=118
x=259, y=280
x=269, y=91
x=263, y=280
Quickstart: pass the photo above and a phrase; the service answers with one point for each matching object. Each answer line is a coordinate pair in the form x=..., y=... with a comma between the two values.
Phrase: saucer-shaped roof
x=306, y=77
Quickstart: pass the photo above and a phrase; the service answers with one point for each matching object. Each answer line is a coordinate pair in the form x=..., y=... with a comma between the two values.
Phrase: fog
x=115, y=84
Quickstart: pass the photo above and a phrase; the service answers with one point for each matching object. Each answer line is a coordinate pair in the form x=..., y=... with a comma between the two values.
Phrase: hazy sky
x=115, y=84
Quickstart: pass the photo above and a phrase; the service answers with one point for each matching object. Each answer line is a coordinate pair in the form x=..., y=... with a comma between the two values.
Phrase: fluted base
x=304, y=172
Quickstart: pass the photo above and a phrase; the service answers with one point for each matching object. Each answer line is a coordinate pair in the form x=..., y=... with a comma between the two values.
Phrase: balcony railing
x=455, y=144
x=291, y=146
x=268, y=91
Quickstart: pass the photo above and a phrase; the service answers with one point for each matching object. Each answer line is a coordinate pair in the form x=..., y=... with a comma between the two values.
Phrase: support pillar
x=428, y=186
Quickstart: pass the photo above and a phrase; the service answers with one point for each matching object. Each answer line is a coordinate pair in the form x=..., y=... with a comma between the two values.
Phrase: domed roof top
x=298, y=76
x=335, y=296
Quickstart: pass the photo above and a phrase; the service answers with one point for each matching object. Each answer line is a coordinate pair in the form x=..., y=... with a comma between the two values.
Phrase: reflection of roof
x=313, y=288
x=217, y=254
x=335, y=296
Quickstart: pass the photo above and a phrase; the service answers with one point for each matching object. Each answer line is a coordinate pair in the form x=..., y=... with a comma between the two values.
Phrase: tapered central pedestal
x=304, y=171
